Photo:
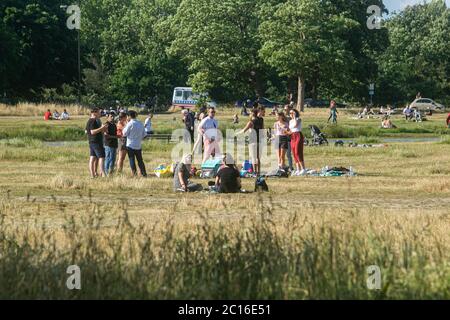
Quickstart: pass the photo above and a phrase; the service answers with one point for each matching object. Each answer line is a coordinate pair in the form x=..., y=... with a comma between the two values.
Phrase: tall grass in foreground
x=297, y=257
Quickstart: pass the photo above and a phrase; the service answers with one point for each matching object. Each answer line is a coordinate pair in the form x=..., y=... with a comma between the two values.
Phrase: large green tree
x=219, y=41
x=418, y=57
x=129, y=43
x=300, y=35
x=37, y=49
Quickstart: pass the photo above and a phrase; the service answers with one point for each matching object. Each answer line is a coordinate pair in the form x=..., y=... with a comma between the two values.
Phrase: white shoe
x=294, y=173
x=303, y=172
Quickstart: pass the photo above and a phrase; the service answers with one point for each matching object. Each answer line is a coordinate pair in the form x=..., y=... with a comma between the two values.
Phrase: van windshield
x=187, y=95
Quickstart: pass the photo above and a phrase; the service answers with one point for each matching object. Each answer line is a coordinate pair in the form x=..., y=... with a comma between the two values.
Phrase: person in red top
x=48, y=115
x=448, y=120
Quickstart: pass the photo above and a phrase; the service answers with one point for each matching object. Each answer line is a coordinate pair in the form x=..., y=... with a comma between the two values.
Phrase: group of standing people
x=288, y=131
x=113, y=140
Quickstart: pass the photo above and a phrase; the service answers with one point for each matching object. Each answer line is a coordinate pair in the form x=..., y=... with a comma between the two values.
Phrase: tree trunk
x=301, y=94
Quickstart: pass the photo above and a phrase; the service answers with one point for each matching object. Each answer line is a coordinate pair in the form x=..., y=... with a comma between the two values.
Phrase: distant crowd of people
x=122, y=134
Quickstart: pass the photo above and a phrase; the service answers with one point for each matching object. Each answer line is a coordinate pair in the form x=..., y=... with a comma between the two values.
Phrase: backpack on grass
x=261, y=185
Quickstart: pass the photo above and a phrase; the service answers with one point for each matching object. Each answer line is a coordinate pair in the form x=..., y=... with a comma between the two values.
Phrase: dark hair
x=261, y=108
x=122, y=115
x=211, y=108
x=132, y=114
x=95, y=110
x=255, y=113
x=297, y=114
x=281, y=114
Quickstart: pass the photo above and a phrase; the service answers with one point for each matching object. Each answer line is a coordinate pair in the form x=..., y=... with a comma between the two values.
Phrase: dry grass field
x=308, y=238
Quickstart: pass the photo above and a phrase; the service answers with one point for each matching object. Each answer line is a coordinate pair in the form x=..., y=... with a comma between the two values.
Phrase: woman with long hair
x=297, y=142
x=281, y=127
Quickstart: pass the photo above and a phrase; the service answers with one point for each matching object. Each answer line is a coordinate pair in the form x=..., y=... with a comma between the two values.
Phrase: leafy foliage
x=133, y=50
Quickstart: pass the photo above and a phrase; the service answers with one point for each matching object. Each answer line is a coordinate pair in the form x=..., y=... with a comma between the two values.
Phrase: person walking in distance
x=135, y=133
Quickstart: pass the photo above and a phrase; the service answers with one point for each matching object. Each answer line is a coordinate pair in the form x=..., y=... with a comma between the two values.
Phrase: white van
x=185, y=97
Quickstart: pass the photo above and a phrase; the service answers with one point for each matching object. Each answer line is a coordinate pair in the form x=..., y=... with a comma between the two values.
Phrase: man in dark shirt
x=95, y=131
x=111, y=144
x=181, y=176
x=228, y=179
x=258, y=125
x=189, y=122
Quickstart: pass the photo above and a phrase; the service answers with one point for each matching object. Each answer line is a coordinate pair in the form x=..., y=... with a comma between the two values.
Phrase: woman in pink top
x=281, y=129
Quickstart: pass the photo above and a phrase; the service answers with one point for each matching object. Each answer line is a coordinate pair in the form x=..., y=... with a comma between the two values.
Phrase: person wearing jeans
x=111, y=144
x=136, y=155
x=135, y=133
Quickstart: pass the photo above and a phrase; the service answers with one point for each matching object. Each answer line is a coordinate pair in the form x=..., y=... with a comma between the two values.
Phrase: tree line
x=133, y=50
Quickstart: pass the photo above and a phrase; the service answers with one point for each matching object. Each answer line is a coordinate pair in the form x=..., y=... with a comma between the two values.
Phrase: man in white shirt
x=407, y=112
x=148, y=125
x=208, y=128
x=64, y=115
x=135, y=133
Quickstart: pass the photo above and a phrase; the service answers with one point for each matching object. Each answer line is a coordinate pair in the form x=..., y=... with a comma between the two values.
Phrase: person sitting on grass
x=48, y=115
x=228, y=179
x=387, y=123
x=408, y=113
x=56, y=115
x=182, y=174
x=333, y=112
x=64, y=115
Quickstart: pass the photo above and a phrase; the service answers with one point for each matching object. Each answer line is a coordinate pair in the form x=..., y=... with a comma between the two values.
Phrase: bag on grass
x=261, y=185
x=163, y=172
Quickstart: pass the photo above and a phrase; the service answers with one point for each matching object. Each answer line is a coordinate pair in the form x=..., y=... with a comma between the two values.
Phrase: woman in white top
x=297, y=142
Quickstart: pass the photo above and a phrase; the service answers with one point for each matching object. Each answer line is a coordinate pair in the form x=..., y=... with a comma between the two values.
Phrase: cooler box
x=210, y=168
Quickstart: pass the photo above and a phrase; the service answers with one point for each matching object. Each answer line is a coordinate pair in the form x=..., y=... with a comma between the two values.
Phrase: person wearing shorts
x=95, y=131
x=297, y=142
x=281, y=129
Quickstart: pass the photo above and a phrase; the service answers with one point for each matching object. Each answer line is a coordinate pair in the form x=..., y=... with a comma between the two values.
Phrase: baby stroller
x=318, y=138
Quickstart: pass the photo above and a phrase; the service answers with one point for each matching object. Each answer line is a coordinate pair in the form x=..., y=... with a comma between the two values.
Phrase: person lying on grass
x=182, y=174
x=228, y=179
